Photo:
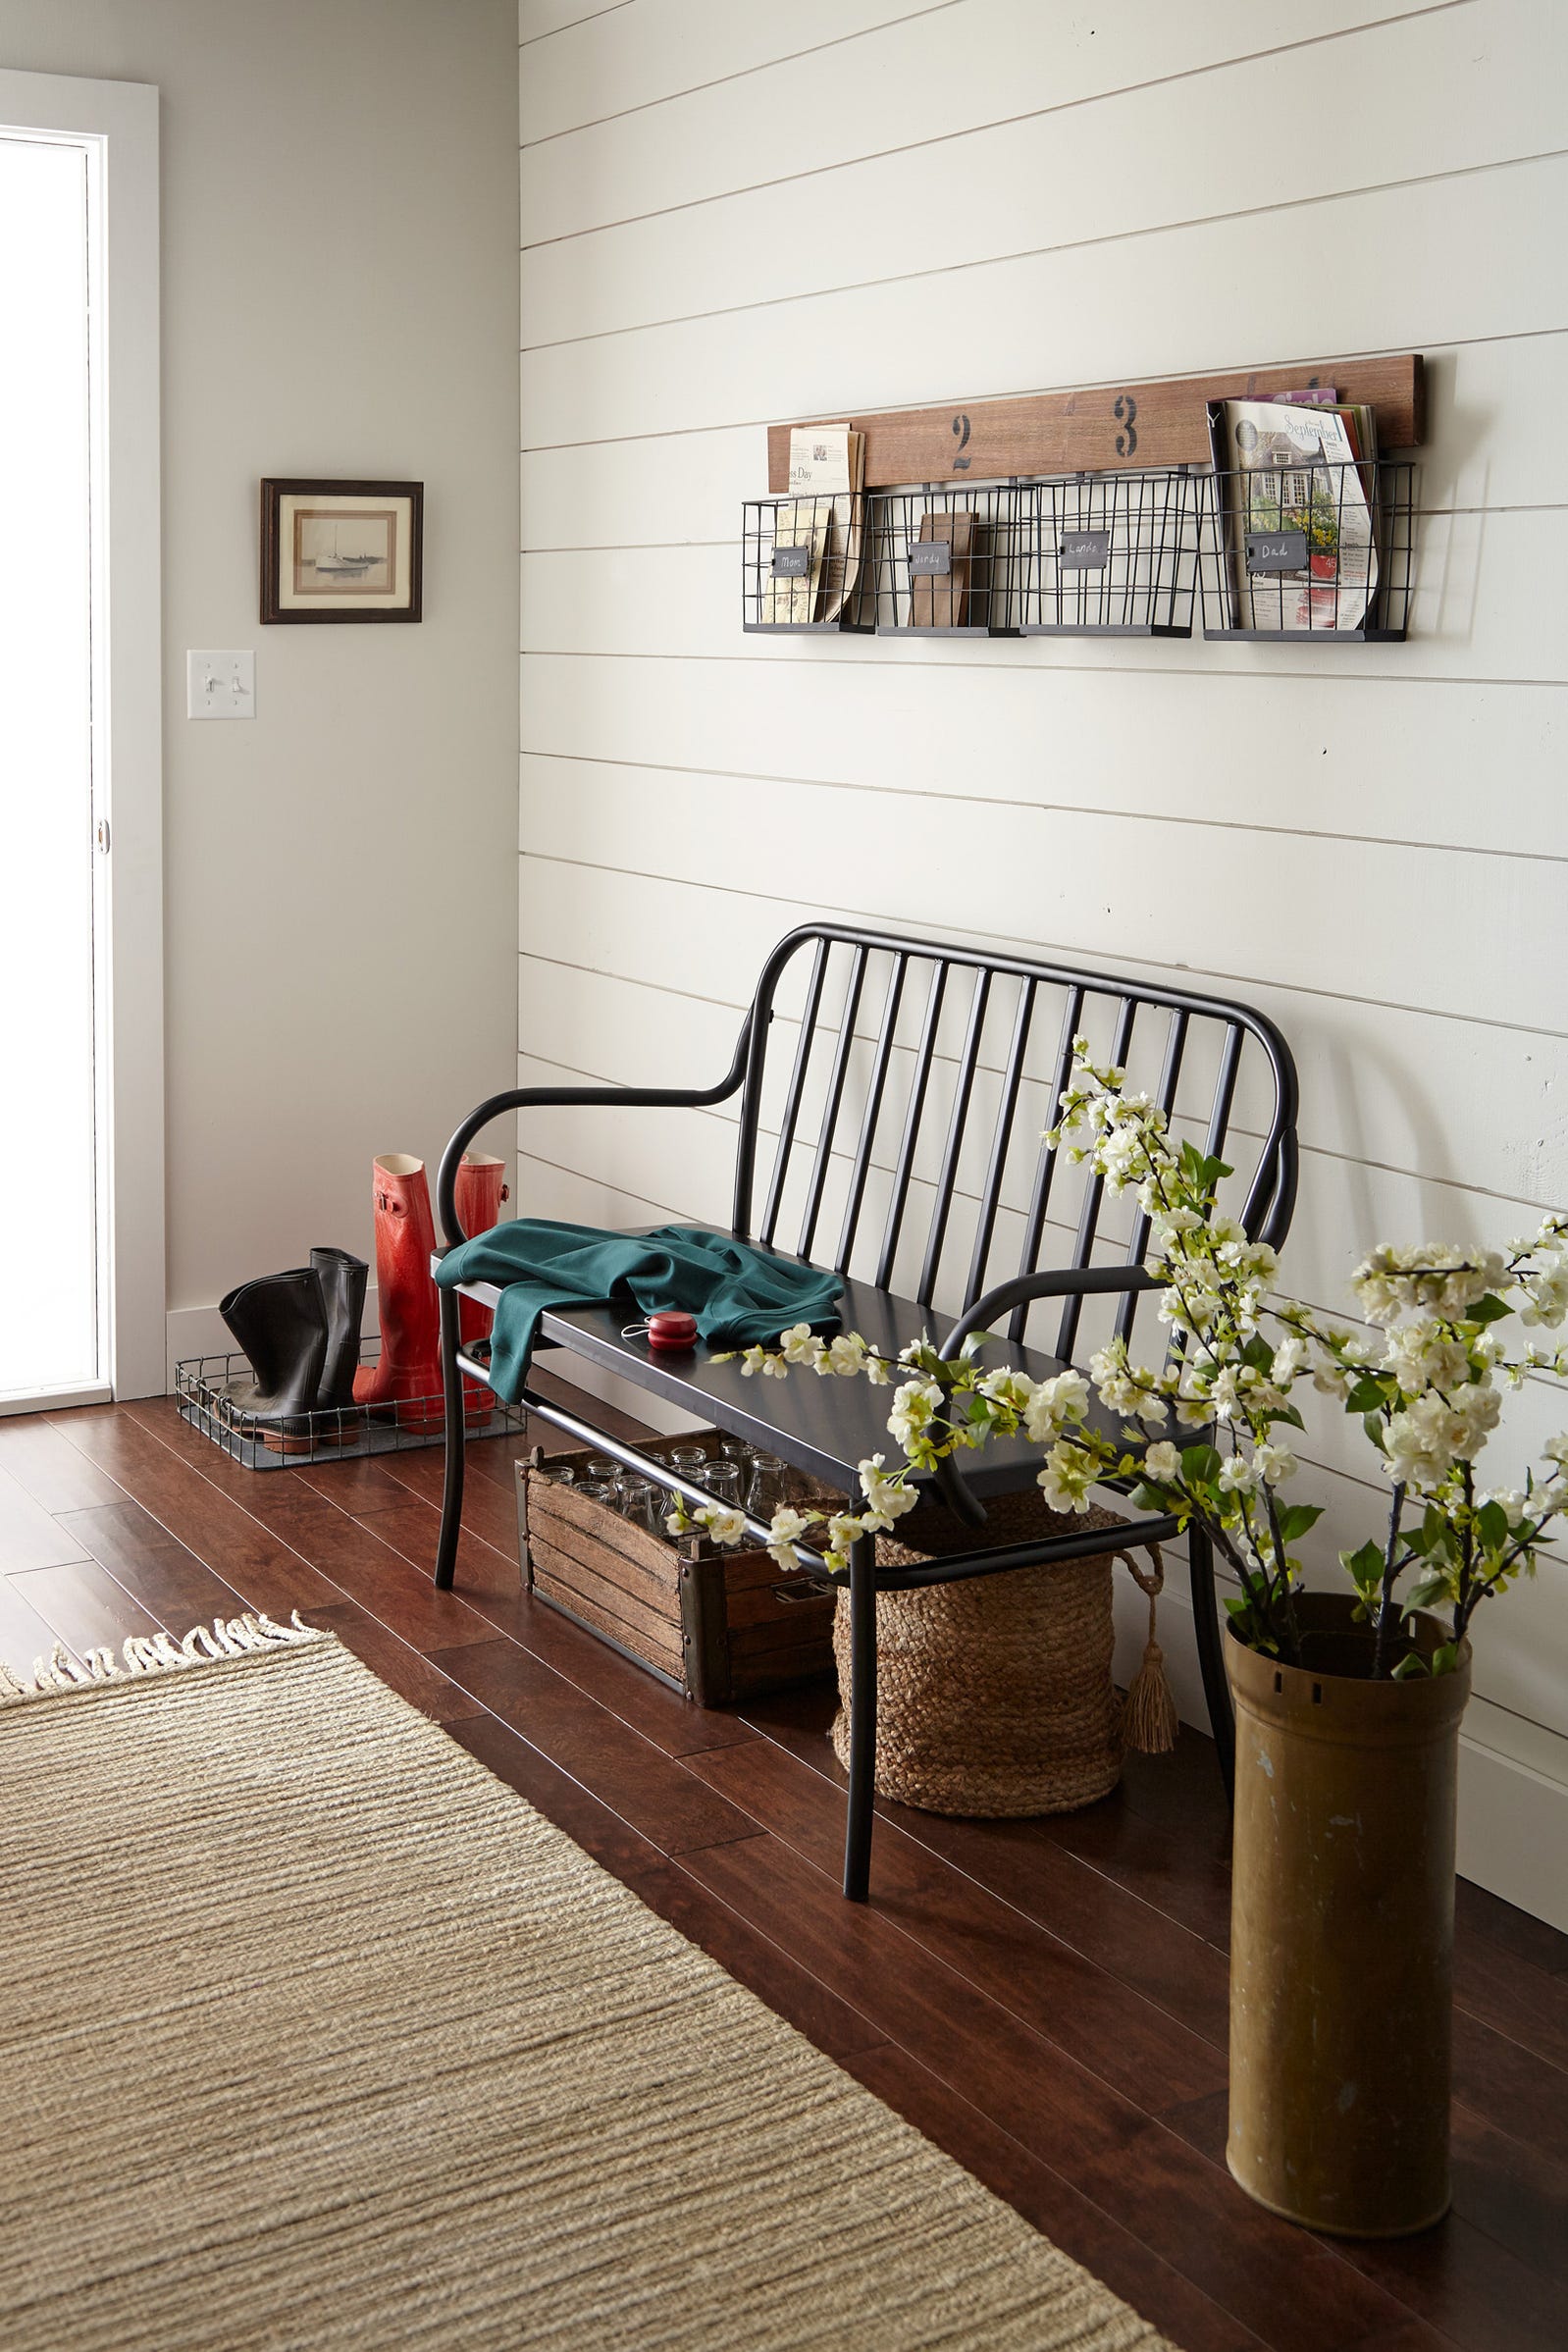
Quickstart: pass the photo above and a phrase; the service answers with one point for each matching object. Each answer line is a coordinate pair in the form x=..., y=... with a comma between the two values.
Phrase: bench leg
x=451, y=1493
x=1211, y=1653
x=862, y=1719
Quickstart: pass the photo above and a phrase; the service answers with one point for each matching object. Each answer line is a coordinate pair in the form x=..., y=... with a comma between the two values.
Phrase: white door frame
x=116, y=121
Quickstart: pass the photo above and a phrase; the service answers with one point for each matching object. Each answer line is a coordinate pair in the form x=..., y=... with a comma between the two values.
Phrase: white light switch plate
x=221, y=684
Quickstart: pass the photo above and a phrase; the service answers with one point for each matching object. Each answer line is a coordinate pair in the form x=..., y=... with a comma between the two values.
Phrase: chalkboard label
x=1276, y=550
x=792, y=563
x=930, y=555
x=1084, y=550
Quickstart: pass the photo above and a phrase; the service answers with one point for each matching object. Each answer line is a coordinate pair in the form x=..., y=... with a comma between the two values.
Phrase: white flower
x=1276, y=1463
x=757, y=1359
x=1288, y=1359
x=1014, y=1389
x=1236, y=1475
x=1555, y=1450
x=1432, y=1433
x=1054, y=1404
x=785, y=1531
x=1163, y=1464
x=723, y=1524
x=1442, y=1278
x=1421, y=1355
x=1067, y=1476
x=800, y=1345
x=1512, y=1501
x=888, y=1499
x=913, y=1407
x=842, y=1530
x=1125, y=1388
x=1547, y=1288
x=877, y=1373
x=845, y=1355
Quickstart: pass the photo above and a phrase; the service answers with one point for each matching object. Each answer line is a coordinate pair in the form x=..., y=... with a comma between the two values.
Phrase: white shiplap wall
x=736, y=213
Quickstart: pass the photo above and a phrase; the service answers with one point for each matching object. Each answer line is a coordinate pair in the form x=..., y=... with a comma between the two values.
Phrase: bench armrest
x=531, y=1098
x=1068, y=1281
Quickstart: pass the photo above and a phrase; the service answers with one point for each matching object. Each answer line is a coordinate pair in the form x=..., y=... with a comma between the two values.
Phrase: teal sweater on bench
x=740, y=1297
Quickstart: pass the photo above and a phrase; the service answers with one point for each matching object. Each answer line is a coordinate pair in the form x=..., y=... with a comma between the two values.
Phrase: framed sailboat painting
x=341, y=550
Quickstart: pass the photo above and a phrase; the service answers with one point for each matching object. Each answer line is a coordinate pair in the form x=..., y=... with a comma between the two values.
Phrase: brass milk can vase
x=1342, y=1934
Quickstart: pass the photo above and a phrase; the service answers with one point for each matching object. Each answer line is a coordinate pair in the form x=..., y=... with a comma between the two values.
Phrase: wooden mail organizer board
x=1157, y=424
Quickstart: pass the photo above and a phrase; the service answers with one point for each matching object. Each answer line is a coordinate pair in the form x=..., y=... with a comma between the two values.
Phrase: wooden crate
x=718, y=1627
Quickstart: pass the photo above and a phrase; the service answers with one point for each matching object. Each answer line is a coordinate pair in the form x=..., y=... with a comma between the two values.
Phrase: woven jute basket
x=994, y=1694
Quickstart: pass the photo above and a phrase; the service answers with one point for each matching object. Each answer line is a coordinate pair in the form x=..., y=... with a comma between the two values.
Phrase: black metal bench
x=911, y=1060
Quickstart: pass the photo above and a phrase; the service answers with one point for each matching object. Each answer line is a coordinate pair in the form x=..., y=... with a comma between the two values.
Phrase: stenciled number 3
x=1124, y=411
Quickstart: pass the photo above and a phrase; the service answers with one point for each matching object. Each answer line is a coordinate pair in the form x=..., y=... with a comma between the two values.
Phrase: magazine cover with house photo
x=1294, y=508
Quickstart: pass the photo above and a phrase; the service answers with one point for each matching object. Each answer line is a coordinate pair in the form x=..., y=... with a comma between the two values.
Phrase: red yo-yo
x=672, y=1332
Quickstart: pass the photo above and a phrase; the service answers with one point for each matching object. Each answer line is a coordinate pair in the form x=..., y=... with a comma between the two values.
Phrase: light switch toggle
x=220, y=685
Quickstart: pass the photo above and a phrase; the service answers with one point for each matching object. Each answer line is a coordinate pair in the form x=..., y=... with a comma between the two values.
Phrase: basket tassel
x=1149, y=1719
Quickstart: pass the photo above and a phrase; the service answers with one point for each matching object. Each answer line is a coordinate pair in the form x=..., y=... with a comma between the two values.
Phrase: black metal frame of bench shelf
x=821, y=1426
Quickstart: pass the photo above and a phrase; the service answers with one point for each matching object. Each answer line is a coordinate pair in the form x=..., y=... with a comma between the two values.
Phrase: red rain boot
x=409, y=1367
x=478, y=1195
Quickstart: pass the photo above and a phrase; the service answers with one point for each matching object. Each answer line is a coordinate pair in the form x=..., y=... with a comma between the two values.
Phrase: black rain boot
x=281, y=1322
x=342, y=1279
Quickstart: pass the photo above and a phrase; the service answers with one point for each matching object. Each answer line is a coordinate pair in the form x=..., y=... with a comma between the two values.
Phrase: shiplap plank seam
x=1064, y=950
x=1079, y=244
x=1350, y=1160
x=616, y=441
x=998, y=800
x=936, y=8
x=1012, y=122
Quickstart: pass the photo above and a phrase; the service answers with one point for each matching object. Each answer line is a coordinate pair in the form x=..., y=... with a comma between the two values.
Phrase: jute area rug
x=315, y=2035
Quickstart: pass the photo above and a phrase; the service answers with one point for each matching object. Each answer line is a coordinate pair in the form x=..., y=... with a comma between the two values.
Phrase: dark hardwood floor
x=1044, y=1999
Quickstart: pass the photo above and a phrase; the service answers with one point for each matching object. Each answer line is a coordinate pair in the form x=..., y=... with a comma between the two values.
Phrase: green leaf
x=1258, y=1353
x=1492, y=1522
x=1158, y=1499
x=1425, y=1590
x=1409, y=1668
x=1490, y=1309
x=1366, y=1395
x=1200, y=1465
x=1296, y=1517
x=1445, y=1659
x=1289, y=1414
x=1372, y=1423
x=1364, y=1566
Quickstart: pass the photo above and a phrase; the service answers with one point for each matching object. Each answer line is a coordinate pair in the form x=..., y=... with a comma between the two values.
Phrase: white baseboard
x=202, y=1332
x=1513, y=1775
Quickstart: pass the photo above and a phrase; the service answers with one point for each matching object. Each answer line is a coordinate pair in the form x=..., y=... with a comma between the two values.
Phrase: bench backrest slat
x=919, y=1083
x=911, y=1061
x=1093, y=1196
x=822, y=1163
x=1001, y=1137
x=873, y=1104
x=792, y=1101
x=1170, y=1078
x=958, y=1121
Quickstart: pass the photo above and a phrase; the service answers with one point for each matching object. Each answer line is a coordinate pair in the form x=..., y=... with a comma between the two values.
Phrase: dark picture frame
x=341, y=550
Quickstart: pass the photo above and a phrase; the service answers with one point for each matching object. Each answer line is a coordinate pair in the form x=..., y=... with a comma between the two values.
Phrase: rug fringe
x=154, y=1653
